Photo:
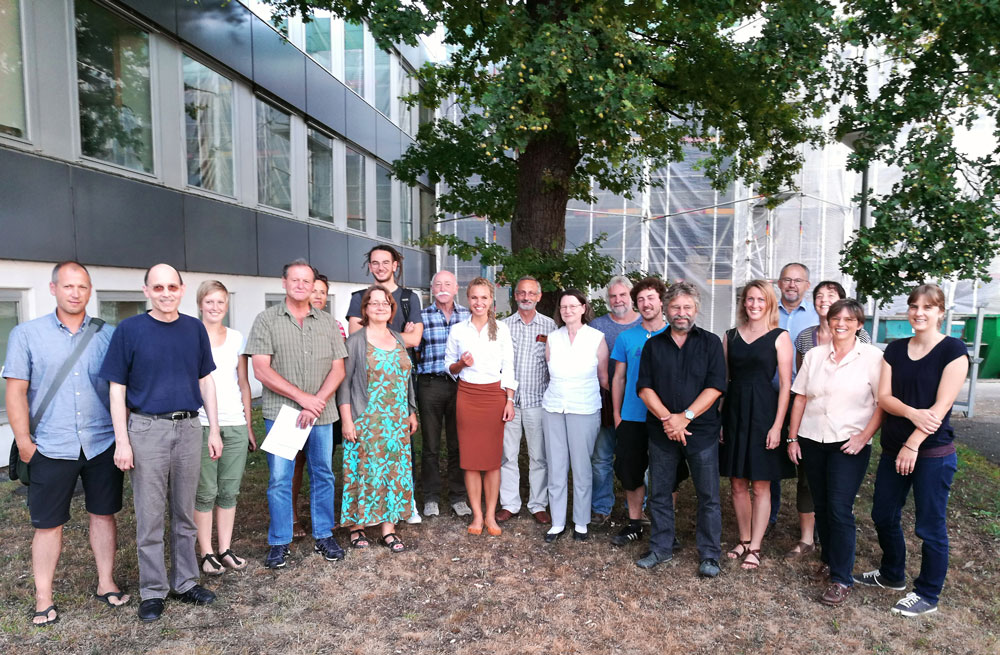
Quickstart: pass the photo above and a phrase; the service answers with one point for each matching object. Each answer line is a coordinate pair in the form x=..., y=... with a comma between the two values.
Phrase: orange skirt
x=479, y=414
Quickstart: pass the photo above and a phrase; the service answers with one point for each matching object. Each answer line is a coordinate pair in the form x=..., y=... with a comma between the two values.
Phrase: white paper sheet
x=285, y=439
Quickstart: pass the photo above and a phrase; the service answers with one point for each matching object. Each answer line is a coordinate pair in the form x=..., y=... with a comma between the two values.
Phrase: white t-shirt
x=573, y=384
x=227, y=387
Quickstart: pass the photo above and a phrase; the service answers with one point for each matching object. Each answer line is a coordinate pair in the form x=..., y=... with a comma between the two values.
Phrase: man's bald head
x=161, y=270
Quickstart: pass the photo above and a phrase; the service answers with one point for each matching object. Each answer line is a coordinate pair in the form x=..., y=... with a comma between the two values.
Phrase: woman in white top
x=480, y=354
x=220, y=478
x=578, y=368
x=834, y=416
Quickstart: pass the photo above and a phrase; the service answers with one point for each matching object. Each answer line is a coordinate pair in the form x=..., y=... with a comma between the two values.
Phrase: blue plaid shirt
x=436, y=328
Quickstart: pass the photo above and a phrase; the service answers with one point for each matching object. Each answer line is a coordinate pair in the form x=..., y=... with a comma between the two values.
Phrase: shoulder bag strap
x=93, y=328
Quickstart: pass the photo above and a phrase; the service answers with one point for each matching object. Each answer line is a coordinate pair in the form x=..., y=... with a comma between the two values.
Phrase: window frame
x=236, y=117
x=18, y=296
x=24, y=9
x=279, y=106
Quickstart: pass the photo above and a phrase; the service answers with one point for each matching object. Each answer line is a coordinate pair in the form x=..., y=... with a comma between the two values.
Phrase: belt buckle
x=178, y=416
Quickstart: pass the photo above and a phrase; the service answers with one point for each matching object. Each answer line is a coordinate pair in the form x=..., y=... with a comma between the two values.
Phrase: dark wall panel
x=36, y=209
x=219, y=237
x=221, y=28
x=328, y=252
x=161, y=12
x=358, y=248
x=325, y=97
x=388, y=134
x=278, y=66
x=279, y=241
x=121, y=222
x=361, y=119
x=416, y=268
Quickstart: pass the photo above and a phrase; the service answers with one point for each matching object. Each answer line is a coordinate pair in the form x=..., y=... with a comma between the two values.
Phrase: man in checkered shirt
x=529, y=330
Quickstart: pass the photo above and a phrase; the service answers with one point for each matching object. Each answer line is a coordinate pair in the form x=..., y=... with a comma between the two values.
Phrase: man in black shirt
x=682, y=375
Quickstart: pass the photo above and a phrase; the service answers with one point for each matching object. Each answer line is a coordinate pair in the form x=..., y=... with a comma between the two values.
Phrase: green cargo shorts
x=220, y=479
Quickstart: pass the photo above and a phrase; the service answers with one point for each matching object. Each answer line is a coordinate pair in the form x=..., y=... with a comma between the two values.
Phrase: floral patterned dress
x=378, y=471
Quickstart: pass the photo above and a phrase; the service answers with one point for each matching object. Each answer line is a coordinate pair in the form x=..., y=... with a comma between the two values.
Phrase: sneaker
x=276, y=557
x=627, y=535
x=876, y=579
x=912, y=604
x=651, y=559
x=414, y=516
x=709, y=568
x=462, y=508
x=431, y=508
x=329, y=549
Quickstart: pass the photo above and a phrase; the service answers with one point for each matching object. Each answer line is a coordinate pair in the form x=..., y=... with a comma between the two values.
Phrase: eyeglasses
x=789, y=280
x=576, y=306
x=377, y=304
x=158, y=288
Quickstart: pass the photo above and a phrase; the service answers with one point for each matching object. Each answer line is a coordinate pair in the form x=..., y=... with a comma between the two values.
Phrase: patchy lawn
x=514, y=594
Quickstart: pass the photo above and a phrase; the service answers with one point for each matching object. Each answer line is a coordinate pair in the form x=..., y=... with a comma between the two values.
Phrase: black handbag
x=19, y=470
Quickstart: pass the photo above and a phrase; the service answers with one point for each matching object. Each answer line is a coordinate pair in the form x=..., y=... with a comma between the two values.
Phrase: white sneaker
x=462, y=508
x=414, y=515
x=431, y=509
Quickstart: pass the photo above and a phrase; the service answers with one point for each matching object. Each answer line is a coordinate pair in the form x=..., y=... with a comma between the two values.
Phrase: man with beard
x=682, y=375
x=383, y=263
x=529, y=331
x=436, y=392
x=621, y=317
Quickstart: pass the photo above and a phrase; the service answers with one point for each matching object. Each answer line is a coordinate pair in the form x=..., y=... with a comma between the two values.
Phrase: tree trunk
x=544, y=170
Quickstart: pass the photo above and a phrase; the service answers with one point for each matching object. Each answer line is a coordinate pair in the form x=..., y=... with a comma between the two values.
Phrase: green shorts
x=220, y=479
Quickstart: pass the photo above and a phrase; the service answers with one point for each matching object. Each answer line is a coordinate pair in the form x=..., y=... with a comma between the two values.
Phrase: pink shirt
x=840, y=396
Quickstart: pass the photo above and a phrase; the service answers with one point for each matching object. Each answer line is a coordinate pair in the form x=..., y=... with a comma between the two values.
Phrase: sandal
x=45, y=612
x=361, y=540
x=392, y=542
x=799, y=550
x=739, y=550
x=120, y=596
x=238, y=564
x=214, y=566
x=747, y=564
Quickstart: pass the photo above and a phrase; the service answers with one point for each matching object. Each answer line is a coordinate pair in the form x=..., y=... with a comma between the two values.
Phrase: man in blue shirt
x=159, y=365
x=74, y=439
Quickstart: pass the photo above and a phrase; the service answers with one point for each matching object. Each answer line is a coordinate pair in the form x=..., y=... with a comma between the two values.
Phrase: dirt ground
x=451, y=593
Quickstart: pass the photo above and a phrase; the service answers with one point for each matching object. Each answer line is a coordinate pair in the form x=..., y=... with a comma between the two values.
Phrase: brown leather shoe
x=821, y=574
x=835, y=594
x=505, y=515
x=800, y=549
x=542, y=517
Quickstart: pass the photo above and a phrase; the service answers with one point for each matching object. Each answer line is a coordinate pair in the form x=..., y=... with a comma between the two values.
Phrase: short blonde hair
x=211, y=286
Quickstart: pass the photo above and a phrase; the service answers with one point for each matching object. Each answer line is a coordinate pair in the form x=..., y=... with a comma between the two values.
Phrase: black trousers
x=436, y=399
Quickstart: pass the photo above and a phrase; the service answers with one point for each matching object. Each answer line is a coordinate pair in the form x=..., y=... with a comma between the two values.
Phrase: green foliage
x=554, y=94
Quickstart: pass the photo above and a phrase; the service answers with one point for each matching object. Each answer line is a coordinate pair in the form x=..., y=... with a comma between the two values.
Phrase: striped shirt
x=303, y=355
x=530, y=368
x=435, y=338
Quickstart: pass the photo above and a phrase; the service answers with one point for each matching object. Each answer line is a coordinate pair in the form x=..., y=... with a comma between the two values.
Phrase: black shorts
x=632, y=456
x=53, y=482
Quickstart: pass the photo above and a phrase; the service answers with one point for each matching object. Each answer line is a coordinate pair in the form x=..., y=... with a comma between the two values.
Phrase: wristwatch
x=688, y=414
x=790, y=440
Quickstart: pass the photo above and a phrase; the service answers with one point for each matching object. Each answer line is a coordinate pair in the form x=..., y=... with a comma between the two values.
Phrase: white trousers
x=529, y=421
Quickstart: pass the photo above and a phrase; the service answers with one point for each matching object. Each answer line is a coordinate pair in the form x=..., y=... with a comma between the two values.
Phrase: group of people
x=646, y=396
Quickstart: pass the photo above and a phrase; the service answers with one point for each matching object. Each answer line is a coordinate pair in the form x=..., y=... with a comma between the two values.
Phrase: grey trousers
x=167, y=458
x=569, y=443
x=530, y=420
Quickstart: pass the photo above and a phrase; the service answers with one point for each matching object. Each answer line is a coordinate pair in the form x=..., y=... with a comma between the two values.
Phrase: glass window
x=272, y=299
x=320, y=175
x=208, y=116
x=274, y=144
x=12, y=114
x=383, y=201
x=425, y=114
x=10, y=315
x=318, y=41
x=354, y=57
x=112, y=63
x=383, y=94
x=355, y=190
x=427, y=210
x=405, y=213
x=407, y=85
x=114, y=307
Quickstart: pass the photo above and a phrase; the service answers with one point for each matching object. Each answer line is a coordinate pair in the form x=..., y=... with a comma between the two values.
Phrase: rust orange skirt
x=479, y=414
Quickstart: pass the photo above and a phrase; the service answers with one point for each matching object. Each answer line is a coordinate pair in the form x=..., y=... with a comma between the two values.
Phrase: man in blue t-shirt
x=159, y=366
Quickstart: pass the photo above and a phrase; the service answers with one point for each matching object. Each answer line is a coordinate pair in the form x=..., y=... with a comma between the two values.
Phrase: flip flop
x=45, y=612
x=106, y=598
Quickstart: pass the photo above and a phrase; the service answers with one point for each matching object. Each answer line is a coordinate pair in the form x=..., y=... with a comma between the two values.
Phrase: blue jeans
x=834, y=478
x=319, y=460
x=703, y=460
x=602, y=464
x=931, y=482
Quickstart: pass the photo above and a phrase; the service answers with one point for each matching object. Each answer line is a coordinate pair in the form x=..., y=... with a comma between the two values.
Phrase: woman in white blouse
x=578, y=368
x=480, y=354
x=834, y=416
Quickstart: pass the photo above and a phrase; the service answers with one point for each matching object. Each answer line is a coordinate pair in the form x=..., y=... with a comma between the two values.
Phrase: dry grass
x=512, y=594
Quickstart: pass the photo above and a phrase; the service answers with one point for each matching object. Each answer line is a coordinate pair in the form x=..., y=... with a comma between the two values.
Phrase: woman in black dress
x=753, y=414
